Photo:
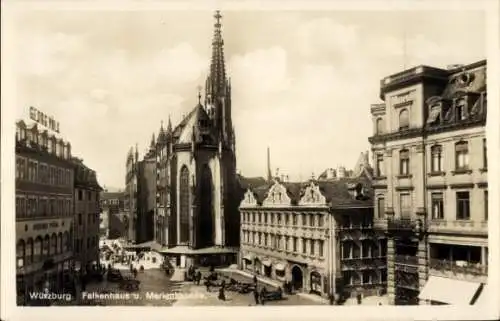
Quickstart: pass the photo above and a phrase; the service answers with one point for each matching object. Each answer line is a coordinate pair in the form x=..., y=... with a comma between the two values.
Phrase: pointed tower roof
x=169, y=126
x=161, y=134
x=216, y=81
x=153, y=141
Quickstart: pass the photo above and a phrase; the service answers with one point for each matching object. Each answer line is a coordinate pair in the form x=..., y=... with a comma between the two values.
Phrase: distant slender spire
x=153, y=141
x=269, y=175
x=169, y=126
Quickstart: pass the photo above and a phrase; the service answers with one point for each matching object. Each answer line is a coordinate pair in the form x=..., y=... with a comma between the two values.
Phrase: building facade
x=44, y=210
x=146, y=193
x=130, y=195
x=431, y=188
x=317, y=235
x=87, y=216
x=112, y=223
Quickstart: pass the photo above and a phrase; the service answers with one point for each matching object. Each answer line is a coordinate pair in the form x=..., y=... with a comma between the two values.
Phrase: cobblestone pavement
x=204, y=298
x=186, y=293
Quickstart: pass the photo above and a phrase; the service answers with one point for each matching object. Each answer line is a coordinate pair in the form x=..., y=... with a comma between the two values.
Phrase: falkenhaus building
x=316, y=235
x=431, y=185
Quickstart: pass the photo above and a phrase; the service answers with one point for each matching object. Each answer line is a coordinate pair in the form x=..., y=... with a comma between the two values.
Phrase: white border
x=10, y=312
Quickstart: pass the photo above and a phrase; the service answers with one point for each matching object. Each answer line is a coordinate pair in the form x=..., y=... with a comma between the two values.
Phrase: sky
x=302, y=81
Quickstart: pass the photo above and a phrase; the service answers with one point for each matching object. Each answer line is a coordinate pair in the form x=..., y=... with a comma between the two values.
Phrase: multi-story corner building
x=130, y=195
x=44, y=210
x=431, y=188
x=87, y=213
x=140, y=197
x=112, y=224
x=146, y=192
x=317, y=235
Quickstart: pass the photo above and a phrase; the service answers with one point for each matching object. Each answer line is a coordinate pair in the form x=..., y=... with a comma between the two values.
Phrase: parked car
x=114, y=275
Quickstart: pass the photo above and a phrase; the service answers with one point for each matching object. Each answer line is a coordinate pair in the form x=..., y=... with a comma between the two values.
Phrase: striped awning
x=449, y=291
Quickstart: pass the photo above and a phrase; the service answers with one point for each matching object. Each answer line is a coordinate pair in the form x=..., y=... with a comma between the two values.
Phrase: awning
x=203, y=251
x=267, y=262
x=485, y=297
x=449, y=291
x=248, y=257
x=280, y=266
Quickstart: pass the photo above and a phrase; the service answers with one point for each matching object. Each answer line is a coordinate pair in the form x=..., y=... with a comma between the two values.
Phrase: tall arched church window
x=184, y=204
x=404, y=119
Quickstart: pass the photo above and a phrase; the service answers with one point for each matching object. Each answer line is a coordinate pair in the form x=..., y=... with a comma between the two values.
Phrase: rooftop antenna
x=405, y=57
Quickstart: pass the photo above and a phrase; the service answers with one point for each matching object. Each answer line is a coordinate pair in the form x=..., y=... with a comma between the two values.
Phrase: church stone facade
x=196, y=217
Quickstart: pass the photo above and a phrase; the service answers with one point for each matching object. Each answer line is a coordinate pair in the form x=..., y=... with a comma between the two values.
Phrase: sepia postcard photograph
x=333, y=157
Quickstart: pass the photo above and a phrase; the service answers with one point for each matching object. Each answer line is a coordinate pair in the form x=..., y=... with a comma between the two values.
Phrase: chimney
x=341, y=172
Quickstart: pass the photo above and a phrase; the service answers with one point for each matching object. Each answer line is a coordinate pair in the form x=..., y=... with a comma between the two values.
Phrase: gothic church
x=196, y=218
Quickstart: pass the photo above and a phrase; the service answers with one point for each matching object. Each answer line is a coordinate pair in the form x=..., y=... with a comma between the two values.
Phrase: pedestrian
x=207, y=284
x=256, y=296
x=331, y=297
x=358, y=297
x=198, y=277
x=222, y=295
x=255, y=279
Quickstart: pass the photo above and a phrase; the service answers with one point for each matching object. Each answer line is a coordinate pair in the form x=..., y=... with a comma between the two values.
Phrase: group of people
x=194, y=275
x=260, y=296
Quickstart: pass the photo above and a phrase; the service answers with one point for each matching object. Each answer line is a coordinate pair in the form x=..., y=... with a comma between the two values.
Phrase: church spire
x=216, y=81
x=169, y=126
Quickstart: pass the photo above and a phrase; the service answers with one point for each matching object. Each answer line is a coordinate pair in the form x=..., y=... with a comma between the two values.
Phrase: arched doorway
x=206, y=223
x=184, y=205
x=297, y=277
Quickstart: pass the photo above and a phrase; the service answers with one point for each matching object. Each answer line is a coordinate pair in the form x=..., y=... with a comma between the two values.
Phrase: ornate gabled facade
x=196, y=194
x=431, y=196
x=316, y=234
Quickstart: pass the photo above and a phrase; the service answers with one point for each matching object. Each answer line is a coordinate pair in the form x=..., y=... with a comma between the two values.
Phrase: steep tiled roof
x=195, y=125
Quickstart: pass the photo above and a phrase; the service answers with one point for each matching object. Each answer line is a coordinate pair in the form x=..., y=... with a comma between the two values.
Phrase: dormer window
x=404, y=119
x=434, y=114
x=461, y=110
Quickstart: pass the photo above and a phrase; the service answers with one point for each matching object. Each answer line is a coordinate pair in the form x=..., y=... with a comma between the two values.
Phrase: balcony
x=406, y=260
x=466, y=227
x=458, y=267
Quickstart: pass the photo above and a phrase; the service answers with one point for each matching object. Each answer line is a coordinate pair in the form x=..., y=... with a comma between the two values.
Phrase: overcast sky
x=302, y=82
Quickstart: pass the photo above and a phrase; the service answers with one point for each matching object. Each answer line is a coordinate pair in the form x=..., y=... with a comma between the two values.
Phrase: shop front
x=315, y=282
x=280, y=271
x=267, y=266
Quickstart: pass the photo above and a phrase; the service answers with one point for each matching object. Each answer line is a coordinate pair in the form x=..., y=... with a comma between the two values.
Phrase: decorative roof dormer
x=249, y=199
x=277, y=196
x=312, y=196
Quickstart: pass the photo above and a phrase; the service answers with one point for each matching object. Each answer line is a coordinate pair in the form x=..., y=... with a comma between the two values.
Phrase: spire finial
x=217, y=17
x=199, y=94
